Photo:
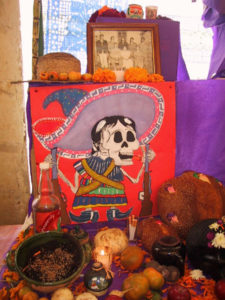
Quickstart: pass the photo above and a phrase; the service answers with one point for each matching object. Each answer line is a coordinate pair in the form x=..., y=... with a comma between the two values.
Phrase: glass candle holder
x=103, y=255
x=97, y=280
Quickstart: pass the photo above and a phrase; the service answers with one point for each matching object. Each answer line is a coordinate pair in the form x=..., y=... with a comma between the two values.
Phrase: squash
x=132, y=258
x=138, y=286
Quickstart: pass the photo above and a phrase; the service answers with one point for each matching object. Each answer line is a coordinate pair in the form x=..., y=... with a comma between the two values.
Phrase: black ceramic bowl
x=50, y=240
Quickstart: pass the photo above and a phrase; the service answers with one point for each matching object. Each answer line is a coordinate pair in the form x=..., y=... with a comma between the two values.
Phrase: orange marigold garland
x=10, y=276
x=4, y=294
x=23, y=235
x=103, y=9
x=141, y=75
x=155, y=78
x=136, y=75
x=104, y=75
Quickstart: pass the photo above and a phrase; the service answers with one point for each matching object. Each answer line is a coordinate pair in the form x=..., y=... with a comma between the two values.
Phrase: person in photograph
x=127, y=61
x=114, y=54
x=112, y=44
x=133, y=50
x=102, y=51
x=122, y=43
x=143, y=54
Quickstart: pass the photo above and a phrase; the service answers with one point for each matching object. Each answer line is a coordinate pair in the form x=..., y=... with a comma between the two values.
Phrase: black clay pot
x=169, y=251
x=210, y=260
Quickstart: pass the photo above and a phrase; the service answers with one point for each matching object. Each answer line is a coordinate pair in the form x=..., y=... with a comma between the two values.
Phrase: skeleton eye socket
x=118, y=137
x=130, y=136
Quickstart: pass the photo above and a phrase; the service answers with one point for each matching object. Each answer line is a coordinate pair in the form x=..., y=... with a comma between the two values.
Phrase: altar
x=192, y=137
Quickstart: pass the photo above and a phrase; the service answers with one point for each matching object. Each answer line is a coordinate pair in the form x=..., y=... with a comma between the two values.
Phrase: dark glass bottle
x=46, y=206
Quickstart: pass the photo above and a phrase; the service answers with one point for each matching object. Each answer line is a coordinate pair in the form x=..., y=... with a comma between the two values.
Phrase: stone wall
x=14, y=181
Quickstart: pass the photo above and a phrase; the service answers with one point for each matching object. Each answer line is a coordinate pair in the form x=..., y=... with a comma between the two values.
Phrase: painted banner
x=111, y=145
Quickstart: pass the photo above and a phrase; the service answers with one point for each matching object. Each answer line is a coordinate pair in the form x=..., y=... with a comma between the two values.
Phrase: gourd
x=138, y=286
x=113, y=238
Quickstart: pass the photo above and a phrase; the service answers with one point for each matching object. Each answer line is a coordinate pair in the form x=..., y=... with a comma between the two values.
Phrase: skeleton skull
x=119, y=143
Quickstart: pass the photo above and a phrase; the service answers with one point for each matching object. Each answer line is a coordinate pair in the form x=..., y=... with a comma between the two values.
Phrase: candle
x=104, y=256
x=151, y=12
x=132, y=227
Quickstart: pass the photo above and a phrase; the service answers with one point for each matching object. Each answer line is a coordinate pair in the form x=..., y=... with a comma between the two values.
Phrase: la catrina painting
x=110, y=145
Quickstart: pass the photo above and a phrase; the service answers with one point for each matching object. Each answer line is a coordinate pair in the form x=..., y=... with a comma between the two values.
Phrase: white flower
x=196, y=274
x=219, y=240
x=214, y=226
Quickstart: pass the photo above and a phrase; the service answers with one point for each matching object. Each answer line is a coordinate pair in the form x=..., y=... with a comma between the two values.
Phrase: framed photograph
x=119, y=46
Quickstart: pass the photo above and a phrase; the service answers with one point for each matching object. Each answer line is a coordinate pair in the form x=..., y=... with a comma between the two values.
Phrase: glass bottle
x=46, y=207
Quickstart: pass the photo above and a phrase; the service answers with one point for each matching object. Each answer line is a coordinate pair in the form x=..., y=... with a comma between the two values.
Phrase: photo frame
x=119, y=46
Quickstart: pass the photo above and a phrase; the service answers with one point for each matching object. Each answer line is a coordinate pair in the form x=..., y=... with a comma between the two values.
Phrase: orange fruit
x=155, y=278
x=53, y=75
x=25, y=289
x=30, y=296
x=138, y=285
x=63, y=76
x=74, y=76
x=132, y=257
x=87, y=77
x=44, y=75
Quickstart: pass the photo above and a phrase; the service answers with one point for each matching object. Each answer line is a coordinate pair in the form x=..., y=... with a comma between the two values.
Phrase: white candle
x=104, y=256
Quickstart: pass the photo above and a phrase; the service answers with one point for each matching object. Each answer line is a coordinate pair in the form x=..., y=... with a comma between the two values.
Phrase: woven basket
x=58, y=62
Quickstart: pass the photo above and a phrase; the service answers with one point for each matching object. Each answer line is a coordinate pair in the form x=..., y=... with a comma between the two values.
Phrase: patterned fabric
x=65, y=25
x=103, y=195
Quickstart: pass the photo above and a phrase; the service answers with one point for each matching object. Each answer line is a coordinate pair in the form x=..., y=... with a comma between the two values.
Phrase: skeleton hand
x=150, y=154
x=48, y=159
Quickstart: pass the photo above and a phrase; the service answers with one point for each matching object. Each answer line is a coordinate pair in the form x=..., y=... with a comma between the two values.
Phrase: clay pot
x=169, y=251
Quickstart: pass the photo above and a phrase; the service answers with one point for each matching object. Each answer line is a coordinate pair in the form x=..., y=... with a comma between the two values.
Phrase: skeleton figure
x=98, y=178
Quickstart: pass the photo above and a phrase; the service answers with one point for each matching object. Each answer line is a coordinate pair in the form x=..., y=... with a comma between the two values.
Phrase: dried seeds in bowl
x=50, y=264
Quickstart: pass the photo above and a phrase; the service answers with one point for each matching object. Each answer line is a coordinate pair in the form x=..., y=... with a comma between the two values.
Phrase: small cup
x=151, y=12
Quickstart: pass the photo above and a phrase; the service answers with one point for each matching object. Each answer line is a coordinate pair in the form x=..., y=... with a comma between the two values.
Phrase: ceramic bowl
x=50, y=239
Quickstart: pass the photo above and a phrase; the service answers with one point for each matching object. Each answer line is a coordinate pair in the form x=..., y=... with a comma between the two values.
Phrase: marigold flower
x=4, y=294
x=13, y=292
x=104, y=75
x=10, y=275
x=101, y=10
x=136, y=75
x=155, y=78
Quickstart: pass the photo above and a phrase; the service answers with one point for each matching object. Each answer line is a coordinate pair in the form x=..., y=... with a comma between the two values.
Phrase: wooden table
x=8, y=233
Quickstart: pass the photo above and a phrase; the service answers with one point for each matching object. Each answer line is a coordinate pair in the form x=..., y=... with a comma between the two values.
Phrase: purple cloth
x=214, y=17
x=200, y=127
x=170, y=49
